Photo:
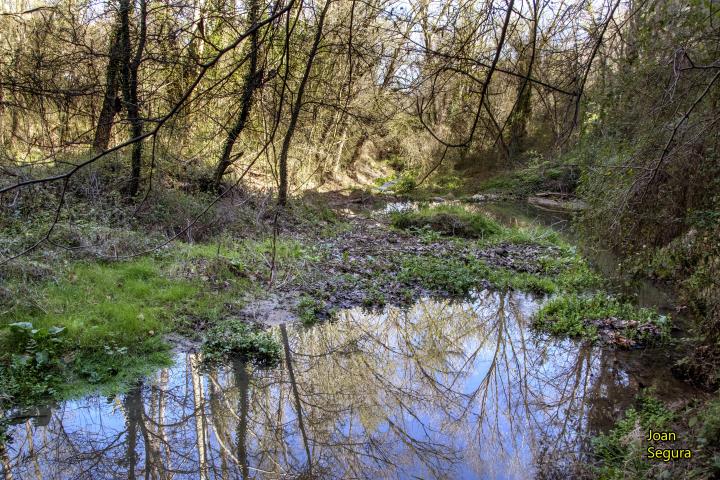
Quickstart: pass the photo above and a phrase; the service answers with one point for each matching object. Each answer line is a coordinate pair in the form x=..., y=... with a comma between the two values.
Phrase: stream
x=440, y=390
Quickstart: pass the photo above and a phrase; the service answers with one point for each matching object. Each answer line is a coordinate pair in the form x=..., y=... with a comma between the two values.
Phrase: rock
x=485, y=197
x=387, y=185
x=557, y=201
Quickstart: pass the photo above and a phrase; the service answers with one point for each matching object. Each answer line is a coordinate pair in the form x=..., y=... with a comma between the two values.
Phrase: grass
x=233, y=338
x=621, y=453
x=112, y=318
x=100, y=303
x=572, y=315
x=311, y=310
x=450, y=220
x=458, y=276
x=452, y=276
x=560, y=174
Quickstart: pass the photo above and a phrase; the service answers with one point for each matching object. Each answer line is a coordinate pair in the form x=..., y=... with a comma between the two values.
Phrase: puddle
x=441, y=390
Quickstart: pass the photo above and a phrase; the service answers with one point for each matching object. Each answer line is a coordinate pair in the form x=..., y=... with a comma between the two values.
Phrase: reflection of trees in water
x=438, y=390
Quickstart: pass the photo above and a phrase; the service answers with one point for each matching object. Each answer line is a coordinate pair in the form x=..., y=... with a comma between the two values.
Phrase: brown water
x=440, y=390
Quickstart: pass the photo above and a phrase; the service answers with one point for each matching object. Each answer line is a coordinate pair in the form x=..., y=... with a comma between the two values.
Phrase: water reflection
x=440, y=391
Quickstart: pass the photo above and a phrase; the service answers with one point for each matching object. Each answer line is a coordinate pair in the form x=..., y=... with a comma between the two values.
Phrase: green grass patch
x=575, y=315
x=451, y=220
x=98, y=304
x=450, y=275
x=100, y=323
x=457, y=276
x=99, y=326
x=560, y=174
x=233, y=338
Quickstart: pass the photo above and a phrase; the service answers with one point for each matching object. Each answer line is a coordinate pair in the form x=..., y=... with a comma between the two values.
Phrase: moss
x=576, y=315
x=447, y=220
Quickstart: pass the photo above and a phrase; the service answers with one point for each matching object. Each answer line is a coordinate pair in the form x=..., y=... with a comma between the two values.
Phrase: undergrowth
x=621, y=452
x=447, y=220
x=576, y=315
x=233, y=338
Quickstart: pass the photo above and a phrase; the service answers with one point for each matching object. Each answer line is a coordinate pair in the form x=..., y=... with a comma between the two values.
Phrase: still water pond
x=440, y=390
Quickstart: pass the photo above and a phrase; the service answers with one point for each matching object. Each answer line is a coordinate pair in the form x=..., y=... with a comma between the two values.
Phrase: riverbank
x=85, y=324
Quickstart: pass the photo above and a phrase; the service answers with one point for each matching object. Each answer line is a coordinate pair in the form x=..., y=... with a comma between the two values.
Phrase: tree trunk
x=296, y=395
x=253, y=80
x=130, y=66
x=297, y=106
x=110, y=104
x=242, y=383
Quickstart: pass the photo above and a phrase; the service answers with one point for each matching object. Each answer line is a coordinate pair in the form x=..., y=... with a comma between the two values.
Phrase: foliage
x=98, y=326
x=235, y=338
x=573, y=315
x=537, y=174
x=447, y=220
x=310, y=310
x=709, y=421
x=33, y=369
x=621, y=451
x=452, y=276
x=398, y=184
x=458, y=276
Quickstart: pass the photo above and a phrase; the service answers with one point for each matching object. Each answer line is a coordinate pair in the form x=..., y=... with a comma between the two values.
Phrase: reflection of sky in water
x=441, y=391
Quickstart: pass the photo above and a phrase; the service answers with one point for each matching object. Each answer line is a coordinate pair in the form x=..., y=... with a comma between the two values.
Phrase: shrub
x=33, y=369
x=310, y=310
x=452, y=276
x=621, y=450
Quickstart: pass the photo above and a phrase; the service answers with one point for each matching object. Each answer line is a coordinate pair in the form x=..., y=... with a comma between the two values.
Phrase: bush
x=311, y=310
x=451, y=276
x=33, y=369
x=556, y=175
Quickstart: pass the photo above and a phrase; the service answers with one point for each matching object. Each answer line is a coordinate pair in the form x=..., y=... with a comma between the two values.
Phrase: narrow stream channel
x=441, y=390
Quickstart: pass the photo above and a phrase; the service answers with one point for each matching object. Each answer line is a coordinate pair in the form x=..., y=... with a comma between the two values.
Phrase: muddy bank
x=366, y=264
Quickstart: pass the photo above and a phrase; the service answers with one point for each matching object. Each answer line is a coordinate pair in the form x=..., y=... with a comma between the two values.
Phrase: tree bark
x=297, y=106
x=130, y=66
x=110, y=104
x=253, y=79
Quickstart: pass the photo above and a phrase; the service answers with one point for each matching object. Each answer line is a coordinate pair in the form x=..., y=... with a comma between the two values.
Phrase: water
x=442, y=390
